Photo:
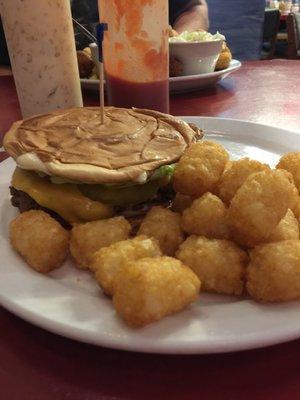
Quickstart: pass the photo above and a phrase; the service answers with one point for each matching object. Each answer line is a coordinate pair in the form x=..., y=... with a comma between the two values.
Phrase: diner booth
x=242, y=23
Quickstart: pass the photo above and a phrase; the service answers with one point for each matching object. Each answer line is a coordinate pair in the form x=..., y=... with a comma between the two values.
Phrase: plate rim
x=238, y=120
x=237, y=65
x=248, y=342
x=251, y=341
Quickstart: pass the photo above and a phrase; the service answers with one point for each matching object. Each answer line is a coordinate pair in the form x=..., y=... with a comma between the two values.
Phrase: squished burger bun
x=73, y=145
x=78, y=170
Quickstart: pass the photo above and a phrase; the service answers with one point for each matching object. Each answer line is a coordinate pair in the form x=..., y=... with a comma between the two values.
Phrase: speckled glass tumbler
x=41, y=45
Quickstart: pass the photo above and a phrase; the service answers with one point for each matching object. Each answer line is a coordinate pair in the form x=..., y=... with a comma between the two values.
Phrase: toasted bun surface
x=73, y=144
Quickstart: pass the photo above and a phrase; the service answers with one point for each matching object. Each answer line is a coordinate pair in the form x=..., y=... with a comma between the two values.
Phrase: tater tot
x=235, y=176
x=273, y=273
x=259, y=205
x=206, y=217
x=181, y=202
x=224, y=59
x=40, y=240
x=296, y=209
x=287, y=229
x=219, y=264
x=85, y=64
x=163, y=225
x=200, y=168
x=176, y=67
x=87, y=238
x=291, y=163
x=151, y=288
x=108, y=261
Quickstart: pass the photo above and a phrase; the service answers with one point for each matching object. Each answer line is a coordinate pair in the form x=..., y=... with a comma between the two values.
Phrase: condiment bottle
x=136, y=53
x=41, y=44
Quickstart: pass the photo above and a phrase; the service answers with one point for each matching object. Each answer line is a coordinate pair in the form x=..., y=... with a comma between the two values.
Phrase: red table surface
x=37, y=365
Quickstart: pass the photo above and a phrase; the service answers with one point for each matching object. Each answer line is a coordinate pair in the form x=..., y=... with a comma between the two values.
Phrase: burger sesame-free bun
x=74, y=145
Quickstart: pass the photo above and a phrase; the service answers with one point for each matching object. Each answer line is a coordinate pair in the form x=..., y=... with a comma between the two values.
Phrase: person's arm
x=193, y=19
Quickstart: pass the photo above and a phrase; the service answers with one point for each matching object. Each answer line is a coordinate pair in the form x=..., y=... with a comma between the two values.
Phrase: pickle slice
x=121, y=195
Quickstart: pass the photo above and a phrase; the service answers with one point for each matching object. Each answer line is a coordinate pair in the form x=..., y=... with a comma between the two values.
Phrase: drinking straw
x=86, y=32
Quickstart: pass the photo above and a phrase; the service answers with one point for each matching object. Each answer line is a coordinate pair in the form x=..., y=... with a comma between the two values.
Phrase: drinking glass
x=41, y=45
x=136, y=53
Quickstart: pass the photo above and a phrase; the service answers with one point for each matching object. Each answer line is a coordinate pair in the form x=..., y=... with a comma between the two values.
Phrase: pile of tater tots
x=233, y=229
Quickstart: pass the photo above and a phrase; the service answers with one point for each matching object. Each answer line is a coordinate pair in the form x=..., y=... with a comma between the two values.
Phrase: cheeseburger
x=78, y=170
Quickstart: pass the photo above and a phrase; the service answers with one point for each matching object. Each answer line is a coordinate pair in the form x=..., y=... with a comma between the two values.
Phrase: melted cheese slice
x=65, y=199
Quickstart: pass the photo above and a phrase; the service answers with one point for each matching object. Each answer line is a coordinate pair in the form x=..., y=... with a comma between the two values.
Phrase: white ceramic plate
x=69, y=302
x=182, y=83
x=191, y=83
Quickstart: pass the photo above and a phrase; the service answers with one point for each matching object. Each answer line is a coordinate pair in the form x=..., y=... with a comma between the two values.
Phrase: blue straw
x=101, y=28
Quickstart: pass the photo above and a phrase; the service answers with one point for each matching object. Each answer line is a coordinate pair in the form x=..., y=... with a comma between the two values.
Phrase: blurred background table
x=36, y=365
x=261, y=91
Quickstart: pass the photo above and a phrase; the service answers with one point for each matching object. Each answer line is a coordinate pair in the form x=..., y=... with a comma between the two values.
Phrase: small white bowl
x=197, y=57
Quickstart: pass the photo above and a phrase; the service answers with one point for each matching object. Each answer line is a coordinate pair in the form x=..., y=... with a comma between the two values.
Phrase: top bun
x=72, y=144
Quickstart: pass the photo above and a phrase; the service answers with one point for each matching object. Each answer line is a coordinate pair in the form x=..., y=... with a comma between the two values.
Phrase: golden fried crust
x=175, y=66
x=40, y=240
x=85, y=64
x=200, y=169
x=219, y=264
x=206, y=217
x=163, y=225
x=224, y=59
x=88, y=238
x=259, y=205
x=151, y=288
x=235, y=175
x=274, y=271
x=291, y=163
x=296, y=209
x=287, y=229
x=108, y=261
